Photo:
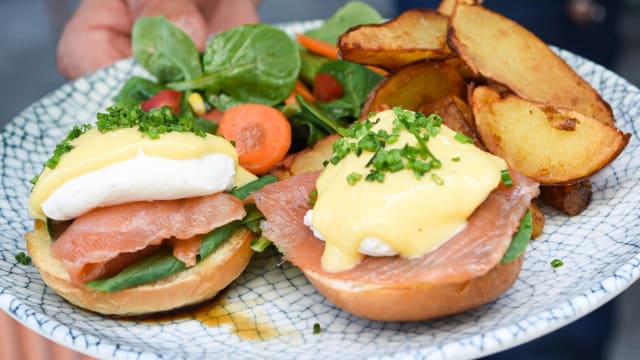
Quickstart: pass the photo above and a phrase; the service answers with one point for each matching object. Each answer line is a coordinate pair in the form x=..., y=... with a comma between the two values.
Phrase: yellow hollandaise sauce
x=94, y=150
x=412, y=214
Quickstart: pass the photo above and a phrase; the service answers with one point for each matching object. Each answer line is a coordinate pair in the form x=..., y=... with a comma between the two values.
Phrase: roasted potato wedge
x=414, y=85
x=447, y=7
x=416, y=34
x=307, y=160
x=537, y=218
x=499, y=49
x=569, y=198
x=550, y=145
x=455, y=114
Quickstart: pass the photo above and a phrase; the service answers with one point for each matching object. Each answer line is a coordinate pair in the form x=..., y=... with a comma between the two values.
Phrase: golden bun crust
x=420, y=301
x=191, y=286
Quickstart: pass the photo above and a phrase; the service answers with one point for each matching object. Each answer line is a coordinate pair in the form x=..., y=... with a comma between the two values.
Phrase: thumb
x=184, y=14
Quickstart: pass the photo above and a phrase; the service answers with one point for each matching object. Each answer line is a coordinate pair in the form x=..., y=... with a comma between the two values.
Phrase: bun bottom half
x=420, y=301
x=190, y=286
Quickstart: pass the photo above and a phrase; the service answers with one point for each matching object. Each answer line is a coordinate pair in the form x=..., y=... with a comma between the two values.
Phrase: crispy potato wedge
x=414, y=85
x=307, y=160
x=416, y=34
x=499, y=49
x=569, y=198
x=537, y=218
x=455, y=114
x=550, y=145
x=447, y=7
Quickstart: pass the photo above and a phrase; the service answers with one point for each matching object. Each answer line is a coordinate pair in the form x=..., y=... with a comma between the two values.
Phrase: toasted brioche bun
x=191, y=286
x=420, y=301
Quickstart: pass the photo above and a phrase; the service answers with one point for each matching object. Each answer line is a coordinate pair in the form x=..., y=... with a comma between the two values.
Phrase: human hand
x=99, y=33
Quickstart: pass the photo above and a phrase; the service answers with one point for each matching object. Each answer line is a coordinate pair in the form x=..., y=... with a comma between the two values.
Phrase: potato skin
x=499, y=49
x=572, y=199
x=551, y=145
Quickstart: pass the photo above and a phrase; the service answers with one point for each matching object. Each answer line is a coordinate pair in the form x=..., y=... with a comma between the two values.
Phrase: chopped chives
x=313, y=197
x=353, y=178
x=437, y=179
x=464, y=139
x=23, y=258
x=506, y=177
x=556, y=263
x=259, y=244
x=316, y=328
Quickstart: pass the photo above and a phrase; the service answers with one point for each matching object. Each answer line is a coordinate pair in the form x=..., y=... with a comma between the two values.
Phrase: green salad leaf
x=164, y=50
x=356, y=80
x=155, y=266
x=256, y=63
x=351, y=14
x=520, y=240
x=136, y=90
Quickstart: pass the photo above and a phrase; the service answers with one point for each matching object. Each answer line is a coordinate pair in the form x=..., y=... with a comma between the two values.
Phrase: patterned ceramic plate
x=270, y=311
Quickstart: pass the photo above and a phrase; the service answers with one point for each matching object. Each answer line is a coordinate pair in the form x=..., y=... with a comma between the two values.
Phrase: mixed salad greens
x=257, y=63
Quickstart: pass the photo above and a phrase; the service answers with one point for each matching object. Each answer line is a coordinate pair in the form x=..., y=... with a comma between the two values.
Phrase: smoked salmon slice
x=469, y=254
x=105, y=239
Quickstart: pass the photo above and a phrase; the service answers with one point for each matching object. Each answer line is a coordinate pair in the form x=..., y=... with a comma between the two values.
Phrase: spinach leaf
x=136, y=90
x=309, y=123
x=520, y=240
x=250, y=63
x=243, y=191
x=317, y=116
x=164, y=50
x=152, y=267
x=310, y=63
x=357, y=81
x=212, y=240
x=161, y=263
x=352, y=14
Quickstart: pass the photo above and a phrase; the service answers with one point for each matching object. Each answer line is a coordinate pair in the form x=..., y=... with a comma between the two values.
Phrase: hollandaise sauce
x=418, y=196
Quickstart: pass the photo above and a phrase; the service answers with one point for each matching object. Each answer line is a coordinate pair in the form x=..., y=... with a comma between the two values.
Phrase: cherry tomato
x=327, y=88
x=167, y=97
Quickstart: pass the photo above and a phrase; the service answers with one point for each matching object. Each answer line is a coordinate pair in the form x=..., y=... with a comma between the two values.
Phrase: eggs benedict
x=407, y=221
x=139, y=214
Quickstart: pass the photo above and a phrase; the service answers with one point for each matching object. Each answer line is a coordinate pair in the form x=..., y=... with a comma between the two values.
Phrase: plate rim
x=598, y=295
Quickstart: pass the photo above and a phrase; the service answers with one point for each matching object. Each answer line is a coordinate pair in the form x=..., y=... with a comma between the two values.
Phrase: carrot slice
x=318, y=46
x=301, y=89
x=261, y=133
x=329, y=50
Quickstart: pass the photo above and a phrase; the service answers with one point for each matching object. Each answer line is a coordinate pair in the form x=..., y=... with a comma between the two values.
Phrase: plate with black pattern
x=271, y=309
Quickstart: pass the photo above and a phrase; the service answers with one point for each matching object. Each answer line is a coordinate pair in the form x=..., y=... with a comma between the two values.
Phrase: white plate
x=270, y=310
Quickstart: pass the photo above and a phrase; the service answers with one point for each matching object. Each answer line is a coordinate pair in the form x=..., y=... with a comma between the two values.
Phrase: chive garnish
x=65, y=145
x=359, y=138
x=353, y=178
x=316, y=328
x=259, y=244
x=437, y=179
x=464, y=139
x=506, y=177
x=23, y=258
x=313, y=197
x=556, y=263
x=455, y=159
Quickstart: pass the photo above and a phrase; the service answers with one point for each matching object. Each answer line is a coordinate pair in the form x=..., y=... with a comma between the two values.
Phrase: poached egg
x=123, y=166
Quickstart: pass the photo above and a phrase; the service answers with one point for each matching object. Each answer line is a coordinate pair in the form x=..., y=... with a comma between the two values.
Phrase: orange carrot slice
x=318, y=46
x=329, y=50
x=261, y=133
x=301, y=89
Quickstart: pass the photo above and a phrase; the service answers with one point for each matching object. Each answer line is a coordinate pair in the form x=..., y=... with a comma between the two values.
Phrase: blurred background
x=607, y=32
